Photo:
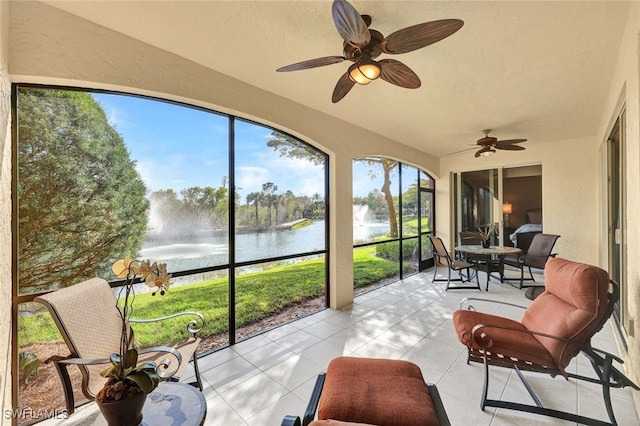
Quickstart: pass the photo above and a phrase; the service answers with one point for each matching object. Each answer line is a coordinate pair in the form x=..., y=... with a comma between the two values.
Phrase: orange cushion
x=380, y=392
x=336, y=423
x=574, y=302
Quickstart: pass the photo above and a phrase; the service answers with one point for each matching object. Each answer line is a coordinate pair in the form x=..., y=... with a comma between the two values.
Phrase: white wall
x=569, y=191
x=5, y=215
x=624, y=90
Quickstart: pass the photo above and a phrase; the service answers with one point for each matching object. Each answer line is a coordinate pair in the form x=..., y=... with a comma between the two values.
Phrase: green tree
x=81, y=202
x=387, y=168
x=255, y=198
x=269, y=197
x=290, y=147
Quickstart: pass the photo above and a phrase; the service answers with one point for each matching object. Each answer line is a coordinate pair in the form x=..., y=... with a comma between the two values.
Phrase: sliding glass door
x=478, y=201
x=510, y=198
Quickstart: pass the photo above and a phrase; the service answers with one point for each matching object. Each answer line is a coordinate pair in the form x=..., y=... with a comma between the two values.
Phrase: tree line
x=200, y=209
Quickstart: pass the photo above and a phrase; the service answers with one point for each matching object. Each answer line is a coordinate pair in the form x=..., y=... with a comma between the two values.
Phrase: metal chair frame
x=602, y=362
x=78, y=298
x=536, y=257
x=441, y=256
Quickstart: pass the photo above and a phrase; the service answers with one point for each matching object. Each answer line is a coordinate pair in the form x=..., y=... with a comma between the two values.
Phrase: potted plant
x=486, y=232
x=123, y=395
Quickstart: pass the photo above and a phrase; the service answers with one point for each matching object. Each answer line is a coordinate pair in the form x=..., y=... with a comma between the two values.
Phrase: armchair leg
x=196, y=370
x=608, y=377
x=63, y=373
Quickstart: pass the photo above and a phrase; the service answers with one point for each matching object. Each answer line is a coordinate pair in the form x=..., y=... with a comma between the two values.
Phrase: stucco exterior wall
x=625, y=92
x=5, y=216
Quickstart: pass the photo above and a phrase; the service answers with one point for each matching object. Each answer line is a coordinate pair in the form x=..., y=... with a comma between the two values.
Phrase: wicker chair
x=86, y=316
x=559, y=324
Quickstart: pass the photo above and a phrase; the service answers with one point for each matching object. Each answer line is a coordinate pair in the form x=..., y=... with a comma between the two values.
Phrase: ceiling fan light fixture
x=488, y=151
x=364, y=71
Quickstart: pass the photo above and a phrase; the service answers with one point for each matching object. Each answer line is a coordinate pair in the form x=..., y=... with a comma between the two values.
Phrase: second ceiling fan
x=489, y=144
x=363, y=45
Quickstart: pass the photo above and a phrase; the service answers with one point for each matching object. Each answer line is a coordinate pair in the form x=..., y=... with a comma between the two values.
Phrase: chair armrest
x=310, y=412
x=466, y=301
x=76, y=361
x=161, y=365
x=482, y=339
x=290, y=421
x=193, y=326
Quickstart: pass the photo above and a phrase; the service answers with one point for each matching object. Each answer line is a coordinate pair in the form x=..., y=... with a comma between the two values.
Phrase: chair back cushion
x=87, y=317
x=470, y=238
x=439, y=251
x=572, y=307
x=540, y=250
x=524, y=240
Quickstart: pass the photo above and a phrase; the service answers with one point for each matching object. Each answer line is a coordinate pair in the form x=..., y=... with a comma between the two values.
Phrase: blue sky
x=179, y=147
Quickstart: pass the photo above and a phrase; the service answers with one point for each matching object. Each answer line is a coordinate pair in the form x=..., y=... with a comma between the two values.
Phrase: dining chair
x=441, y=257
x=87, y=317
x=539, y=252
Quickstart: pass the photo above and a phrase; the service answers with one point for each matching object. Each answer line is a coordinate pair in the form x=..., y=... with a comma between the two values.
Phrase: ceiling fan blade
x=312, y=63
x=509, y=147
x=420, y=35
x=462, y=150
x=351, y=27
x=395, y=72
x=510, y=141
x=479, y=152
x=342, y=88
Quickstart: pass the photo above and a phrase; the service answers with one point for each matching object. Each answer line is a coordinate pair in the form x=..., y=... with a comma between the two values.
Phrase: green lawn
x=258, y=294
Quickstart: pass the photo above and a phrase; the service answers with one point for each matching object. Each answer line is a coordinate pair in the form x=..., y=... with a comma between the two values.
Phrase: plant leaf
x=130, y=358
x=145, y=378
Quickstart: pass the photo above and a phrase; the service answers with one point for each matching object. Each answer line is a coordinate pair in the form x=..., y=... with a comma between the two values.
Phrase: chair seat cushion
x=514, y=342
x=460, y=264
x=336, y=423
x=380, y=392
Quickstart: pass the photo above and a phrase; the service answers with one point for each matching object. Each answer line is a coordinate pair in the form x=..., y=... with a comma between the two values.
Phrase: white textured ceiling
x=527, y=69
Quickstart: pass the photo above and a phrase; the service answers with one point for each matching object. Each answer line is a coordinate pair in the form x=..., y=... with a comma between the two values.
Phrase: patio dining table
x=492, y=258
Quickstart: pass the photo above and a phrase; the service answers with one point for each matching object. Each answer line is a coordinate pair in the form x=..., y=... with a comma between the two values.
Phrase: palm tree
x=255, y=198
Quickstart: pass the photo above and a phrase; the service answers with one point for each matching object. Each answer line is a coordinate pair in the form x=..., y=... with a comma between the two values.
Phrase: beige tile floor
x=260, y=380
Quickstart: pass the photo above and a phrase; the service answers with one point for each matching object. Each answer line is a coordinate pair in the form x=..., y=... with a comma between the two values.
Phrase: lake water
x=208, y=251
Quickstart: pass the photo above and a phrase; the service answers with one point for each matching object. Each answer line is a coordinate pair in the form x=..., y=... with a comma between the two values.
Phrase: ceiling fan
x=489, y=144
x=362, y=45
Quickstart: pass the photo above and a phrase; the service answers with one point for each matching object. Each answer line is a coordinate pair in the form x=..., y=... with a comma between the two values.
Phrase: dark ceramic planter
x=486, y=243
x=127, y=412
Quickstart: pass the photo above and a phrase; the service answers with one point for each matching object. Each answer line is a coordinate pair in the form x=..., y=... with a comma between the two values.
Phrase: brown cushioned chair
x=86, y=316
x=577, y=302
x=370, y=391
